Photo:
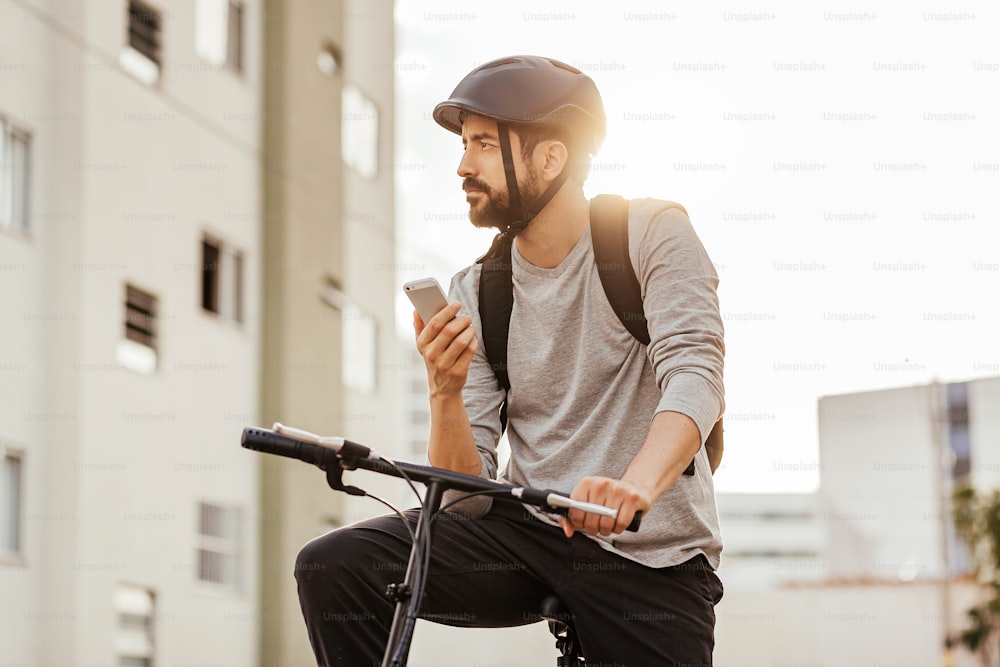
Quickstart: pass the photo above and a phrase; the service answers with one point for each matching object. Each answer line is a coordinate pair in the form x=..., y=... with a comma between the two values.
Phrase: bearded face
x=489, y=206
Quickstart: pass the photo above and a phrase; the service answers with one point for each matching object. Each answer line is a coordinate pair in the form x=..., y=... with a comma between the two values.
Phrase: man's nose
x=466, y=166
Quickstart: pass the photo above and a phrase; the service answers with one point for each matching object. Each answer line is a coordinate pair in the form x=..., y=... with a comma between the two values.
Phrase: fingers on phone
x=462, y=338
x=449, y=311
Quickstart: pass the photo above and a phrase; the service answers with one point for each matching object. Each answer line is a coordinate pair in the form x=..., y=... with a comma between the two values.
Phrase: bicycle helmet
x=527, y=90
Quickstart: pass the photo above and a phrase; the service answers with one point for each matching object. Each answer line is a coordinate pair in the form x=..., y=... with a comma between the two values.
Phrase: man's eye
x=484, y=145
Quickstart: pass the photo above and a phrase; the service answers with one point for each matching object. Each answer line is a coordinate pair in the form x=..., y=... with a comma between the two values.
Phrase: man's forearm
x=672, y=441
x=451, y=445
x=714, y=451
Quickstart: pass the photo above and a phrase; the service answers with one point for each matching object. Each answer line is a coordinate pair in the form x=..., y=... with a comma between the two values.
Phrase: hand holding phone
x=449, y=351
x=426, y=296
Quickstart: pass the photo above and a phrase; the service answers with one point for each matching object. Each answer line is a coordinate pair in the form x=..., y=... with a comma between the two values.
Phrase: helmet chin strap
x=522, y=215
x=513, y=192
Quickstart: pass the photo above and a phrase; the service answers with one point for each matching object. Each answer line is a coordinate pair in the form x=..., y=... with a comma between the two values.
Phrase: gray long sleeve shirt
x=584, y=390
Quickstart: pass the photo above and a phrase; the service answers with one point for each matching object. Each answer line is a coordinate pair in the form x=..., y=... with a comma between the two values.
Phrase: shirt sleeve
x=482, y=393
x=680, y=299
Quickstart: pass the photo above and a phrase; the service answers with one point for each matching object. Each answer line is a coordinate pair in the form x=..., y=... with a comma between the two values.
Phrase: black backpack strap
x=609, y=233
x=496, y=300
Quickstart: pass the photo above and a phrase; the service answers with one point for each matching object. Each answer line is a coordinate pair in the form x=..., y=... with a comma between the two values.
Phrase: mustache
x=473, y=184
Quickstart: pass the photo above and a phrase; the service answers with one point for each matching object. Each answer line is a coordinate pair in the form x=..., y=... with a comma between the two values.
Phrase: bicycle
x=334, y=455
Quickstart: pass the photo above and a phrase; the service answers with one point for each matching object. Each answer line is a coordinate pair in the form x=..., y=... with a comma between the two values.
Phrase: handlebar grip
x=562, y=503
x=269, y=442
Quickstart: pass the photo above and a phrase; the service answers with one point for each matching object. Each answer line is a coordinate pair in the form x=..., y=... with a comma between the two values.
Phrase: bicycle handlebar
x=324, y=452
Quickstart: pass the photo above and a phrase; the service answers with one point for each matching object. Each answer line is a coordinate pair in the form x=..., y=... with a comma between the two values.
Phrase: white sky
x=841, y=166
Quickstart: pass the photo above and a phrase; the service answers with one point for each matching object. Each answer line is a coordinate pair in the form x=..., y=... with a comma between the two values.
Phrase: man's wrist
x=444, y=398
x=643, y=487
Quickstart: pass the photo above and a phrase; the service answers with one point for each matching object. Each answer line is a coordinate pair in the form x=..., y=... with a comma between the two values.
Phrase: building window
x=134, y=607
x=959, y=439
x=359, y=132
x=211, y=254
x=10, y=503
x=140, y=316
x=219, y=30
x=144, y=30
x=137, y=350
x=14, y=163
x=960, y=449
x=222, y=280
x=358, y=354
x=359, y=341
x=219, y=545
x=143, y=56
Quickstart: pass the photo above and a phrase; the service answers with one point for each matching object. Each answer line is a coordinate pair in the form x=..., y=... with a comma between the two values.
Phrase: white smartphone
x=426, y=296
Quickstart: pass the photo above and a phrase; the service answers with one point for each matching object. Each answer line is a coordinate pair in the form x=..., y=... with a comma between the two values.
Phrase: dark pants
x=493, y=572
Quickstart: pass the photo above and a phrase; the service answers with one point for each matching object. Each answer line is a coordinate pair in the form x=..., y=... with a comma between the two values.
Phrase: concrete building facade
x=186, y=249
x=888, y=582
x=131, y=354
x=329, y=340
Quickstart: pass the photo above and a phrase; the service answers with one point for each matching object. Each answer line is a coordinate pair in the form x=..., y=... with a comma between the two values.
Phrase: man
x=590, y=408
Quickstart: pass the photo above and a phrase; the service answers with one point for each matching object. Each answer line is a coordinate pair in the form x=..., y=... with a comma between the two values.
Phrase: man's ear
x=554, y=159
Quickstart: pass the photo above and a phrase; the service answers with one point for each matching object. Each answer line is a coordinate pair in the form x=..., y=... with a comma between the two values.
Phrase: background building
x=131, y=249
x=329, y=272
x=884, y=578
x=919, y=442
x=187, y=247
x=770, y=539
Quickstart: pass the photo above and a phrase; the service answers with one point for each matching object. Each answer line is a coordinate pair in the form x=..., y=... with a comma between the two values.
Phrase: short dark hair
x=531, y=134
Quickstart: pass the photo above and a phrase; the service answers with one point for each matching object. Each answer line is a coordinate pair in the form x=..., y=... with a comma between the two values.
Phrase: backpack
x=609, y=233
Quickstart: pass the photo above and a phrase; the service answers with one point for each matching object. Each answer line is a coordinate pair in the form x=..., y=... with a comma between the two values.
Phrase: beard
x=494, y=209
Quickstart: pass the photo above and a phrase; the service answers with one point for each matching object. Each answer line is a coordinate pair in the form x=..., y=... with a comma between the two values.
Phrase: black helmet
x=529, y=89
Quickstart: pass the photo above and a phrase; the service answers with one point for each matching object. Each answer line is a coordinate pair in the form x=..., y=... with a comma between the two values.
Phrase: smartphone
x=426, y=296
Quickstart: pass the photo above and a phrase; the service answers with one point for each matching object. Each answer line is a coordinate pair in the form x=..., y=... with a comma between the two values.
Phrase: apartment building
x=130, y=247
x=188, y=247
x=868, y=570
